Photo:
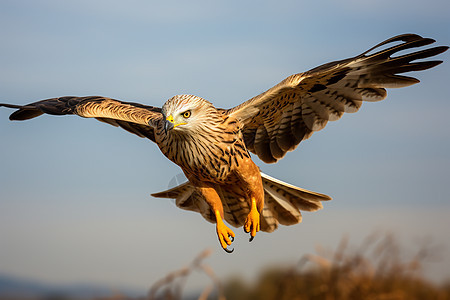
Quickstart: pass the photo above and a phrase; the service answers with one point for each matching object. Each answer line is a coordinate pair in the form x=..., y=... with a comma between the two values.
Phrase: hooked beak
x=169, y=125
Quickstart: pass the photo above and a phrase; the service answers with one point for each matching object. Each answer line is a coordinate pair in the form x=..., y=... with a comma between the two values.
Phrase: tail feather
x=285, y=201
x=283, y=211
x=186, y=197
x=301, y=198
x=282, y=203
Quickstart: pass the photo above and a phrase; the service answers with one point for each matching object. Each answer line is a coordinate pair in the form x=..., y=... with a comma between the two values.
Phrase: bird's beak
x=169, y=125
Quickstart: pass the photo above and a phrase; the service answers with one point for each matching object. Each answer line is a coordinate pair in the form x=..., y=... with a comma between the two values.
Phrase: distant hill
x=14, y=287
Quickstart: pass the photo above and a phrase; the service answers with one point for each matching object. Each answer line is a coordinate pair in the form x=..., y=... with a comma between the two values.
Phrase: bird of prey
x=212, y=145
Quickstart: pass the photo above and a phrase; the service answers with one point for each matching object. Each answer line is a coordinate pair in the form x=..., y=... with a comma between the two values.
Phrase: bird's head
x=185, y=113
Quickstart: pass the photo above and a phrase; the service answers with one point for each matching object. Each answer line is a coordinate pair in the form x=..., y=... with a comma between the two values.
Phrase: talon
x=228, y=250
x=225, y=235
x=251, y=238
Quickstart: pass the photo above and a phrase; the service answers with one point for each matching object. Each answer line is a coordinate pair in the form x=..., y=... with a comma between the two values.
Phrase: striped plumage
x=283, y=116
x=209, y=146
x=212, y=145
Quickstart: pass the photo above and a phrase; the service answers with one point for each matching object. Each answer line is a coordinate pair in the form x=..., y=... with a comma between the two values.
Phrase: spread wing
x=277, y=120
x=133, y=117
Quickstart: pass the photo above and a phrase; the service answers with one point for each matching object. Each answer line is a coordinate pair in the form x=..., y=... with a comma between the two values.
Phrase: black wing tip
x=23, y=112
x=408, y=37
x=417, y=41
x=432, y=63
x=409, y=40
x=10, y=105
x=441, y=49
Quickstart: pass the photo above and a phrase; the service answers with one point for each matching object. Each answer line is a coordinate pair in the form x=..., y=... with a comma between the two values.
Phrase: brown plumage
x=212, y=145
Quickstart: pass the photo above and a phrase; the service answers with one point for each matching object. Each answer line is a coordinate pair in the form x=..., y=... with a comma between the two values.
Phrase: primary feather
x=277, y=120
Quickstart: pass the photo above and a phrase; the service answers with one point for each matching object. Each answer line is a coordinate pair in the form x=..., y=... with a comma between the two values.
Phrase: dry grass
x=171, y=286
x=374, y=270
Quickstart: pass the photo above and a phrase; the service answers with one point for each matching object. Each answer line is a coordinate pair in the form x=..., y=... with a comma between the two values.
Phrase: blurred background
x=75, y=204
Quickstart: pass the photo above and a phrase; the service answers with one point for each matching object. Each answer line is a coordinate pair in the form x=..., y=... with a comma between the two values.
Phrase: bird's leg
x=225, y=235
x=252, y=223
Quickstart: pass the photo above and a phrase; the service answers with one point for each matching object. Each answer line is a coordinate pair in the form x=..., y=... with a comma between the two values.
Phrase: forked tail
x=282, y=203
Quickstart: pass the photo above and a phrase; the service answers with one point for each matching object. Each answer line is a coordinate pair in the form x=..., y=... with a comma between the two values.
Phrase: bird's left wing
x=134, y=117
x=277, y=120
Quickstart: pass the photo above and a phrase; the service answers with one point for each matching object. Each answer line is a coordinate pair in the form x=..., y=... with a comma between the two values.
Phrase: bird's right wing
x=134, y=117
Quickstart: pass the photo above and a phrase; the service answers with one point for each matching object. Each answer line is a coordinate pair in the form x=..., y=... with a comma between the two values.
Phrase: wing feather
x=277, y=120
x=136, y=118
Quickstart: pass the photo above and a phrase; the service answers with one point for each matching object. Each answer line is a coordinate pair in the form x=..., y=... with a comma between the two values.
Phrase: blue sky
x=75, y=201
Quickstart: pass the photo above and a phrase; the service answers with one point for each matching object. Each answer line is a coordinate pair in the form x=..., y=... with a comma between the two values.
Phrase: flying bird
x=212, y=145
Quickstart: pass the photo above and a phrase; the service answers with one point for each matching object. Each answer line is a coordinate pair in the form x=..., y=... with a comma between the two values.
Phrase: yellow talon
x=225, y=235
x=252, y=223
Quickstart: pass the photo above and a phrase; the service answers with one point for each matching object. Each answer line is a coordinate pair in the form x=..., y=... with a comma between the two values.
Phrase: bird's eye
x=187, y=114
